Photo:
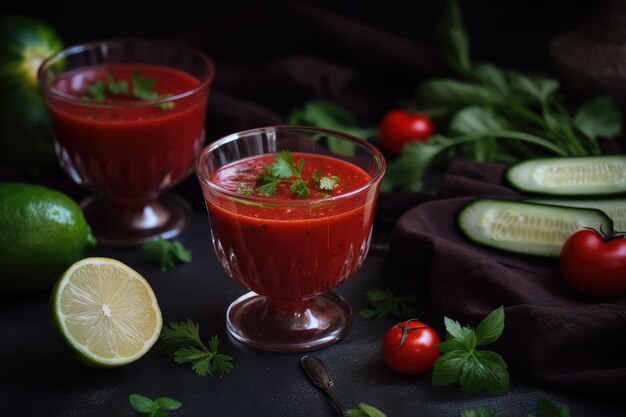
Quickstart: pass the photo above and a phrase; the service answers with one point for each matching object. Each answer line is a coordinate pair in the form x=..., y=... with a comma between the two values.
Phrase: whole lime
x=42, y=233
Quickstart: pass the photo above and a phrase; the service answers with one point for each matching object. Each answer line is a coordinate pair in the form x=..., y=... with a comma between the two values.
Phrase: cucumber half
x=615, y=208
x=527, y=228
x=576, y=176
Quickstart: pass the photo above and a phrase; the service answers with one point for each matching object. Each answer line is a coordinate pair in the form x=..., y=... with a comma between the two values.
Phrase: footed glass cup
x=291, y=253
x=129, y=151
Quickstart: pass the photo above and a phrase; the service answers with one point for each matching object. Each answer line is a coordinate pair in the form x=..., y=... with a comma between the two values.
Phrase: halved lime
x=106, y=312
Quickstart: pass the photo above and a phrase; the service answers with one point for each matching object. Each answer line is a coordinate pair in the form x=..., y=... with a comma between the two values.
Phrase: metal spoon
x=317, y=371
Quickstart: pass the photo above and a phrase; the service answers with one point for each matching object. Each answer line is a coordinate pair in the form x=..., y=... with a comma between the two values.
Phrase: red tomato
x=410, y=347
x=398, y=127
x=593, y=265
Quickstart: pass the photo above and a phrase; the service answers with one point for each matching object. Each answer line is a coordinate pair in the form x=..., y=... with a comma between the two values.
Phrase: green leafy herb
x=300, y=188
x=142, y=89
x=481, y=412
x=461, y=362
x=330, y=116
x=244, y=189
x=328, y=183
x=158, y=407
x=364, y=410
x=324, y=195
x=96, y=92
x=384, y=302
x=182, y=340
x=546, y=408
x=164, y=253
x=285, y=167
x=120, y=87
x=494, y=114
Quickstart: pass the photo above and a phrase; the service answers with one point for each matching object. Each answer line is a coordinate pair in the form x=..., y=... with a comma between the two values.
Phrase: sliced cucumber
x=577, y=176
x=528, y=228
x=615, y=209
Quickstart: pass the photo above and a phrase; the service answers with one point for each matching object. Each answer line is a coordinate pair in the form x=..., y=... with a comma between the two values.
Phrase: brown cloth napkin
x=552, y=334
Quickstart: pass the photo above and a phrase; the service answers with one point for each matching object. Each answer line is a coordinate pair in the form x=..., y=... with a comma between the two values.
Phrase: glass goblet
x=291, y=253
x=128, y=119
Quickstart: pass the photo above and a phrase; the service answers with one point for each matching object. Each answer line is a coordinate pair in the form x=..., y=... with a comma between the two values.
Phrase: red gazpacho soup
x=113, y=143
x=286, y=246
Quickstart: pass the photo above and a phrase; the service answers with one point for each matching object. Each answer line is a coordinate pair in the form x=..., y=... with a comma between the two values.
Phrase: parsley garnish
x=153, y=408
x=244, y=189
x=142, y=89
x=546, y=408
x=182, y=340
x=286, y=170
x=461, y=362
x=163, y=253
x=364, y=410
x=385, y=302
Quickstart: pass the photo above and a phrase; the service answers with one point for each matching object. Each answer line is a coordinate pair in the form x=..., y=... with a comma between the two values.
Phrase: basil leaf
x=474, y=119
x=490, y=328
x=141, y=403
x=447, y=369
x=546, y=408
x=473, y=375
x=452, y=345
x=599, y=118
x=496, y=376
x=532, y=88
x=168, y=403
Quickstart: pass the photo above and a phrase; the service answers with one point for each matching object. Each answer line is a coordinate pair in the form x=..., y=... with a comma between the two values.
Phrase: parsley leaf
x=475, y=370
x=182, y=340
x=153, y=408
x=163, y=253
x=300, y=188
x=316, y=175
x=270, y=185
x=328, y=183
x=96, y=92
x=285, y=167
x=481, y=412
x=546, y=408
x=142, y=87
x=121, y=87
x=384, y=302
x=364, y=410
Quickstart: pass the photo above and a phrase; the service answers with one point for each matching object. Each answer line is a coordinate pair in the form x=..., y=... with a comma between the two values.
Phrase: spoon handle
x=317, y=371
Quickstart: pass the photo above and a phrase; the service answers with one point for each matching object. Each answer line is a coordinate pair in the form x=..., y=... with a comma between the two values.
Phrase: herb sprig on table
x=495, y=114
x=286, y=170
x=364, y=410
x=475, y=370
x=164, y=253
x=384, y=303
x=142, y=89
x=158, y=407
x=182, y=341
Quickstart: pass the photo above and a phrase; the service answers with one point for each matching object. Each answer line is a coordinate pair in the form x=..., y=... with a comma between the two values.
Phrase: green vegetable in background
x=498, y=115
x=330, y=116
x=475, y=370
x=384, y=303
x=25, y=128
x=364, y=410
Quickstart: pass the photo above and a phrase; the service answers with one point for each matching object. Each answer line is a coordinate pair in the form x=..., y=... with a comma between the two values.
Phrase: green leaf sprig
x=384, y=303
x=158, y=407
x=182, y=341
x=491, y=114
x=364, y=410
x=286, y=170
x=164, y=253
x=474, y=369
x=545, y=408
x=142, y=89
x=481, y=412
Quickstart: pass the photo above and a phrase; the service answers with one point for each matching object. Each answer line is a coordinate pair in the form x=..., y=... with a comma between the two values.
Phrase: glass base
x=131, y=224
x=289, y=326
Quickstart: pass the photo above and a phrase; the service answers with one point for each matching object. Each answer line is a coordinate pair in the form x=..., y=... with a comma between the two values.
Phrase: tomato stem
x=406, y=330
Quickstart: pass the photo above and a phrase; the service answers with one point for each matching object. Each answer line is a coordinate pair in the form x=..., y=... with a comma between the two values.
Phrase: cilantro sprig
x=165, y=253
x=364, y=410
x=158, y=407
x=285, y=170
x=142, y=89
x=474, y=369
x=385, y=302
x=182, y=341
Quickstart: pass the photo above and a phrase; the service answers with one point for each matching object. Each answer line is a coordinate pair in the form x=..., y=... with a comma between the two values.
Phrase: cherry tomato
x=399, y=127
x=594, y=265
x=410, y=347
